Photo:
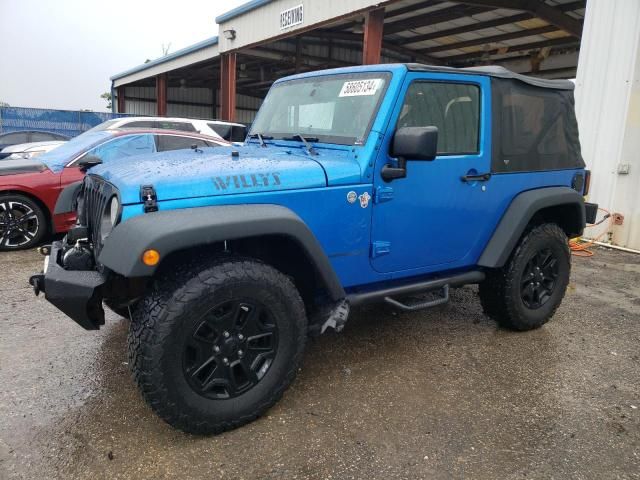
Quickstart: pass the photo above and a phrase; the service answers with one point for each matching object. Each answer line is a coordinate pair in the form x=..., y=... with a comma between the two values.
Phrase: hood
x=222, y=171
x=14, y=167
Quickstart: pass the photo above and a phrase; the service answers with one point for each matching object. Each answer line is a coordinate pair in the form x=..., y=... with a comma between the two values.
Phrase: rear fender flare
x=518, y=215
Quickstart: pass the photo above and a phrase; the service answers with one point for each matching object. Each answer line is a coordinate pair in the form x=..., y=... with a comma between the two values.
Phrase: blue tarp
x=65, y=122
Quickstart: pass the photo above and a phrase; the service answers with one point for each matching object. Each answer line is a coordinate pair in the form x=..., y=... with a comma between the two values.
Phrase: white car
x=30, y=150
x=233, y=132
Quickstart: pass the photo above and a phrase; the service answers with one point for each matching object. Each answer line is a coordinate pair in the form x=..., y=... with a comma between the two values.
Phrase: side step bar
x=422, y=305
x=444, y=283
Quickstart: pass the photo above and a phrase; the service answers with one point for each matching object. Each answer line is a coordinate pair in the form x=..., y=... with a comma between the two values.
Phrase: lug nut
x=240, y=336
x=225, y=360
x=216, y=348
x=240, y=353
x=225, y=334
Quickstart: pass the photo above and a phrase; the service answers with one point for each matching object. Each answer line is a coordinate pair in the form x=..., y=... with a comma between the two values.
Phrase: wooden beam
x=496, y=22
x=540, y=9
x=386, y=44
x=491, y=39
x=121, y=103
x=298, y=54
x=469, y=28
x=432, y=18
x=228, y=86
x=161, y=95
x=554, y=42
x=373, y=33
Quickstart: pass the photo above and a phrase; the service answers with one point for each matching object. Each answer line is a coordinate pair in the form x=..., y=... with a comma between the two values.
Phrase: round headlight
x=113, y=210
x=109, y=217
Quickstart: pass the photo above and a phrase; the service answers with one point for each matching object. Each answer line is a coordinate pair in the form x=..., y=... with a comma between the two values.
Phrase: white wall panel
x=608, y=109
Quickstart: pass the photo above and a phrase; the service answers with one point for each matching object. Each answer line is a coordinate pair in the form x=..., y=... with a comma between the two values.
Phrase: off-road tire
x=40, y=216
x=500, y=292
x=160, y=329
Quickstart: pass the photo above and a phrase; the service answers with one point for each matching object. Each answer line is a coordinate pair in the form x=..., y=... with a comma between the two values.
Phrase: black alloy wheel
x=539, y=279
x=22, y=223
x=231, y=349
x=217, y=341
x=526, y=292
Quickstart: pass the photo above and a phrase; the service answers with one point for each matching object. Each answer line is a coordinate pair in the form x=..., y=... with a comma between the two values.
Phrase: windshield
x=59, y=157
x=334, y=108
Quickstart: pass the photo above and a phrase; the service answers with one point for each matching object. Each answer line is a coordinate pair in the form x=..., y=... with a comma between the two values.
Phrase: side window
x=43, y=137
x=452, y=107
x=14, y=138
x=139, y=124
x=173, y=142
x=168, y=125
x=239, y=134
x=125, y=146
x=221, y=129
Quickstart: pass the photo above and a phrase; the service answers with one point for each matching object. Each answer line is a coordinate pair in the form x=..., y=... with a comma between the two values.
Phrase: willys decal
x=253, y=180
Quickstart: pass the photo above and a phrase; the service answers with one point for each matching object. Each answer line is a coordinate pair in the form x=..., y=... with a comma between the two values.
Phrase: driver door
x=432, y=219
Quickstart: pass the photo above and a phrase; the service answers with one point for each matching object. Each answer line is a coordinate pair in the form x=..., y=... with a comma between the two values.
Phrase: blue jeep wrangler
x=355, y=185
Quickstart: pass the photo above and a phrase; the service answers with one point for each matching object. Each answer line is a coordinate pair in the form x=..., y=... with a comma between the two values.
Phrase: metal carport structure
x=227, y=76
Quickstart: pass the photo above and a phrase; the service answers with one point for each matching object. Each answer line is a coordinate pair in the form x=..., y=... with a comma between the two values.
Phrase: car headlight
x=25, y=155
x=110, y=216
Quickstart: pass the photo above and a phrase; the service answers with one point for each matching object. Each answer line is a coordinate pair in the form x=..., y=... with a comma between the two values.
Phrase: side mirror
x=88, y=161
x=415, y=143
x=411, y=143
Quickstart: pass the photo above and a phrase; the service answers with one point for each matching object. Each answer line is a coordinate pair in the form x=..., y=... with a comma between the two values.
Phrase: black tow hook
x=37, y=282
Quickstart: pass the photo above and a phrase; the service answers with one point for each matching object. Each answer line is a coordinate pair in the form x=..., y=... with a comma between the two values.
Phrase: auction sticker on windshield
x=360, y=87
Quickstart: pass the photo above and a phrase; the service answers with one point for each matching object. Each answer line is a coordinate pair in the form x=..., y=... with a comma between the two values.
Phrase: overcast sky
x=61, y=53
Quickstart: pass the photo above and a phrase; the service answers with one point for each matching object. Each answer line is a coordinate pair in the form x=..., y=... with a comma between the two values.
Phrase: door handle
x=480, y=177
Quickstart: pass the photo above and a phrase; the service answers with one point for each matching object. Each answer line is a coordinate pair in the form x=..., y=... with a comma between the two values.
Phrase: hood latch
x=149, y=198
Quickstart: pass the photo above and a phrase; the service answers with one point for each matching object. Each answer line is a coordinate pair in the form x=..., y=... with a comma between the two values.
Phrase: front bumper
x=77, y=293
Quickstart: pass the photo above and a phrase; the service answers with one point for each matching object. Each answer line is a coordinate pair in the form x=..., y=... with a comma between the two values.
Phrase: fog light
x=150, y=257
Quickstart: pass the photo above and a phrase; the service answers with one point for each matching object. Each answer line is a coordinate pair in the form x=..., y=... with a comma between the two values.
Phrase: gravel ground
x=441, y=393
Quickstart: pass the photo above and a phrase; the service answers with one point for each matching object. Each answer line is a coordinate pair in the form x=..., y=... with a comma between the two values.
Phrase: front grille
x=96, y=192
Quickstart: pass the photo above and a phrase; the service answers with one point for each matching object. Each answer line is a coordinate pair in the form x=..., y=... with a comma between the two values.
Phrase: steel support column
x=373, y=32
x=161, y=95
x=228, y=86
x=120, y=94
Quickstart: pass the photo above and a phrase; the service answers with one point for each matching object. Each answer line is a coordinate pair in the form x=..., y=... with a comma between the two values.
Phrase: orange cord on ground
x=580, y=247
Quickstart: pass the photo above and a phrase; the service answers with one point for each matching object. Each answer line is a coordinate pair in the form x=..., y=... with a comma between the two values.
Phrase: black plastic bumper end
x=591, y=211
x=76, y=293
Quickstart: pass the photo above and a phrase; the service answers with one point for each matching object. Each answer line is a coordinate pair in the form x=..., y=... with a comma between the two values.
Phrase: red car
x=29, y=189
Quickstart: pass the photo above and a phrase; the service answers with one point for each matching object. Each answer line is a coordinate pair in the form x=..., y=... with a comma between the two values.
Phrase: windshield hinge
x=383, y=194
x=149, y=198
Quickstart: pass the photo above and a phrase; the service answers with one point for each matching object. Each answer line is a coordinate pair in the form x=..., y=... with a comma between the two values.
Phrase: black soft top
x=497, y=72
x=533, y=120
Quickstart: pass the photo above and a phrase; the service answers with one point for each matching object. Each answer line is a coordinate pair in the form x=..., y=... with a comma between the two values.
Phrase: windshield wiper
x=304, y=140
x=260, y=138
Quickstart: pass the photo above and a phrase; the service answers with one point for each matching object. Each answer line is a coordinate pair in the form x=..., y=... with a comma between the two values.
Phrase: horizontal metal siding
x=187, y=103
x=608, y=110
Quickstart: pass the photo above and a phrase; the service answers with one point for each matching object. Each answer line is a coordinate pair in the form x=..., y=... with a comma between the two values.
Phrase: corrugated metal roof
x=178, y=53
x=244, y=8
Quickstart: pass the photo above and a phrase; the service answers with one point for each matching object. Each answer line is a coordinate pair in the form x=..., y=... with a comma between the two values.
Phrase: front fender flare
x=174, y=230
